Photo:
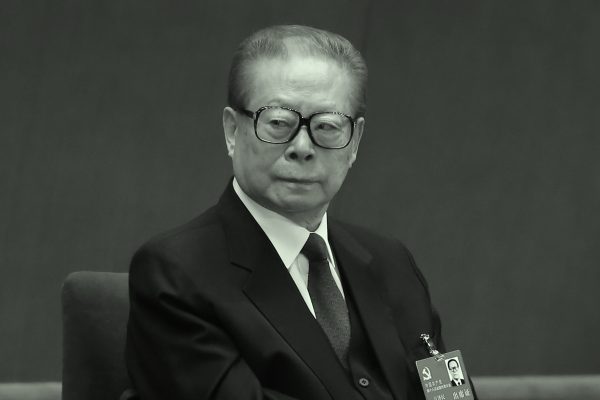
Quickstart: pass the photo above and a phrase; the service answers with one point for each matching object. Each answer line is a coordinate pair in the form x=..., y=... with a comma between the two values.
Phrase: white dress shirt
x=288, y=238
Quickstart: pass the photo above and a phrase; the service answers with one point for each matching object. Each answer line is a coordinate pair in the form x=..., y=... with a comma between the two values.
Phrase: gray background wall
x=481, y=154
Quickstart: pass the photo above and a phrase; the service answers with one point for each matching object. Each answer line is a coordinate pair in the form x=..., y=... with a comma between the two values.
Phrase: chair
x=95, y=310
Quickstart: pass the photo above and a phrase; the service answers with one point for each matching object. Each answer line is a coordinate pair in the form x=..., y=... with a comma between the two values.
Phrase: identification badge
x=444, y=376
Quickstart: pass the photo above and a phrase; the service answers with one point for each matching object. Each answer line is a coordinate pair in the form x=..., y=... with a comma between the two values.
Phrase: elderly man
x=262, y=296
x=455, y=373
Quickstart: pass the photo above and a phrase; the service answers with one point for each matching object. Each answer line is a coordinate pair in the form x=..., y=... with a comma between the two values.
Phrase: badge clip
x=431, y=347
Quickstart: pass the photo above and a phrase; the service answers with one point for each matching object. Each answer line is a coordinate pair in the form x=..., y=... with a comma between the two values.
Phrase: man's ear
x=230, y=128
x=358, y=132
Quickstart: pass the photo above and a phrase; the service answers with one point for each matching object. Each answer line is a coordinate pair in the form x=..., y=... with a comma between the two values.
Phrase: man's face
x=454, y=369
x=295, y=179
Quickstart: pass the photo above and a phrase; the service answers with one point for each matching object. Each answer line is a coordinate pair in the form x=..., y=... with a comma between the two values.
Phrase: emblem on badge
x=426, y=374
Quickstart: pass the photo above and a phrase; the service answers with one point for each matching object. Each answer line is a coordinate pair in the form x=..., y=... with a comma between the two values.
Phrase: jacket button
x=364, y=382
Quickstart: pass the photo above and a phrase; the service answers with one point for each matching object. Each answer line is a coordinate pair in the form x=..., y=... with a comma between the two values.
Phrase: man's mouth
x=302, y=181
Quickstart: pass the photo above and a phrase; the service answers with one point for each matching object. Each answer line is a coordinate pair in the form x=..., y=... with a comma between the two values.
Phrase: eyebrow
x=280, y=101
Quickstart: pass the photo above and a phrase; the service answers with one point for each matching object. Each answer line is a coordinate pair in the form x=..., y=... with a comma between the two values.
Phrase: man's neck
x=309, y=220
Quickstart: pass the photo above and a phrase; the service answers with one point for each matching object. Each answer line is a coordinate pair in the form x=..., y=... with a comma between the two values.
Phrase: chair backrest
x=95, y=310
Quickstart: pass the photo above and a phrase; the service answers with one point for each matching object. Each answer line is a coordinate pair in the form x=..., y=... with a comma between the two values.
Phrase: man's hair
x=455, y=361
x=278, y=41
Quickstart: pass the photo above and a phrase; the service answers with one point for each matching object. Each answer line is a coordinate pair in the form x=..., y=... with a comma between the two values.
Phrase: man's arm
x=176, y=350
x=437, y=325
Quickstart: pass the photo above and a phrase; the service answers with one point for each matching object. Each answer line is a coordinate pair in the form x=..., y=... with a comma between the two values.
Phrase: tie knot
x=315, y=248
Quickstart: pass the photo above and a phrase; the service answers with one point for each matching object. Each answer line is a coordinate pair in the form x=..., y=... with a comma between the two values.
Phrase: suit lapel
x=275, y=294
x=354, y=264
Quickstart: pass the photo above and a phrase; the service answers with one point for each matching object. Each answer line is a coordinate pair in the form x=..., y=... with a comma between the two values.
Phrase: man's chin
x=300, y=206
x=295, y=204
x=299, y=186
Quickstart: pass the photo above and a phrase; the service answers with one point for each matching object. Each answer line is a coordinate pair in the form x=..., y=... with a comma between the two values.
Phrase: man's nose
x=301, y=148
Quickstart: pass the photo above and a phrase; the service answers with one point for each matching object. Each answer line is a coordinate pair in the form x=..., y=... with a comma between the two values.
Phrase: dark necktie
x=327, y=300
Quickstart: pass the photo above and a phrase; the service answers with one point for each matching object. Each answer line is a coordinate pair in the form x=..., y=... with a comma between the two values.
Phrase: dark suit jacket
x=216, y=315
x=462, y=382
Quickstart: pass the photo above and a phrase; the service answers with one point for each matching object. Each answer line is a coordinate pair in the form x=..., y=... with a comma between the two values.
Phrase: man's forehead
x=294, y=55
x=298, y=80
x=294, y=67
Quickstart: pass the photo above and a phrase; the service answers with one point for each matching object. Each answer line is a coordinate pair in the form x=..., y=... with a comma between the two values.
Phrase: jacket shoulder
x=371, y=240
x=207, y=221
x=384, y=246
x=199, y=239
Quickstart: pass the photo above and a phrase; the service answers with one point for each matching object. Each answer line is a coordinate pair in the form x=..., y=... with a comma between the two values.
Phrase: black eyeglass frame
x=302, y=122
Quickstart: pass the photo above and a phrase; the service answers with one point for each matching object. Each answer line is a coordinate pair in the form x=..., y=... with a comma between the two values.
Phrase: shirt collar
x=287, y=237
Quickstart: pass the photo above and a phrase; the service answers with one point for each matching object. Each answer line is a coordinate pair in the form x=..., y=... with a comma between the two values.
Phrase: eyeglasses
x=278, y=125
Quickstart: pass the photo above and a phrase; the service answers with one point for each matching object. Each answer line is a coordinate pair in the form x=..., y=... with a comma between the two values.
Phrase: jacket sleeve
x=175, y=348
x=437, y=325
